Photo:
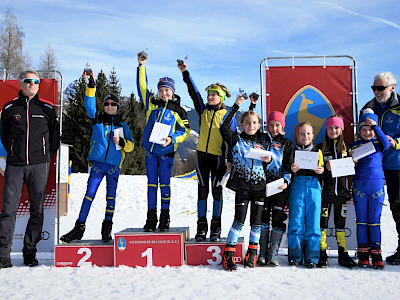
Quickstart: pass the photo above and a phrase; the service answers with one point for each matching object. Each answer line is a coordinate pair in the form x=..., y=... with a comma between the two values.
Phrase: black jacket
x=333, y=186
x=30, y=131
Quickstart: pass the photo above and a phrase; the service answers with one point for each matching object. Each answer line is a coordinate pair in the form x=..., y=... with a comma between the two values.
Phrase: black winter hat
x=112, y=97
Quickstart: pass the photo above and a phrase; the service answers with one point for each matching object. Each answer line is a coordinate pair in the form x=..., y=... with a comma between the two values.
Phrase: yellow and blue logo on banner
x=308, y=105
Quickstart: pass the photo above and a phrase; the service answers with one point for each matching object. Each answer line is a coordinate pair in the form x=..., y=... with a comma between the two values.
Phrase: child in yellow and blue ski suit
x=304, y=231
x=368, y=191
x=105, y=158
x=210, y=152
x=160, y=158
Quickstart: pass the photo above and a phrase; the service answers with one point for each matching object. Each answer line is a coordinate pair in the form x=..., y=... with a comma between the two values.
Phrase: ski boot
x=164, y=220
x=151, y=222
x=394, y=259
x=344, y=259
x=75, y=234
x=202, y=229
x=323, y=259
x=30, y=260
x=228, y=259
x=376, y=255
x=5, y=262
x=215, y=229
x=106, y=227
x=264, y=240
x=273, y=251
x=363, y=256
x=251, y=256
x=294, y=263
x=311, y=265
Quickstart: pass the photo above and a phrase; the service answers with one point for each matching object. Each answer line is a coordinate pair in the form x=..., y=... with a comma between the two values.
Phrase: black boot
x=151, y=222
x=251, y=256
x=344, y=259
x=264, y=241
x=30, y=260
x=202, y=229
x=273, y=250
x=215, y=229
x=323, y=259
x=228, y=259
x=106, y=228
x=363, y=256
x=376, y=256
x=164, y=220
x=394, y=259
x=75, y=234
x=5, y=262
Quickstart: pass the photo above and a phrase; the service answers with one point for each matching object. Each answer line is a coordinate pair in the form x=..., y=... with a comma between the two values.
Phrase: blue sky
x=225, y=40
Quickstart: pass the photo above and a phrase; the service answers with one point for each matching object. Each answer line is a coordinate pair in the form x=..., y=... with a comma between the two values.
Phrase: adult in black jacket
x=30, y=133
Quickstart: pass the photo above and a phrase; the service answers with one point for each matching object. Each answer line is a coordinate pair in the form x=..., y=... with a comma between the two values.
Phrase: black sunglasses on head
x=110, y=103
x=380, y=87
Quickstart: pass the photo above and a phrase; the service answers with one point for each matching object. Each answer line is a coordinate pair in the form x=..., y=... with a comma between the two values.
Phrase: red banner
x=48, y=90
x=311, y=93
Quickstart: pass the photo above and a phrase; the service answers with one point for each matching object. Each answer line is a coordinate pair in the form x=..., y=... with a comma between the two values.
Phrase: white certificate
x=160, y=131
x=363, y=151
x=257, y=153
x=224, y=179
x=119, y=132
x=272, y=188
x=306, y=159
x=342, y=167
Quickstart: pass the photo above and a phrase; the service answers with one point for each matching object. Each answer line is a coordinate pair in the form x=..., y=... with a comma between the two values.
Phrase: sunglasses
x=110, y=103
x=30, y=80
x=380, y=87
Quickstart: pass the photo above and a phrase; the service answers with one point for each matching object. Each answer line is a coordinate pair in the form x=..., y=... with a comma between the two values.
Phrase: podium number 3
x=149, y=255
x=216, y=253
x=83, y=261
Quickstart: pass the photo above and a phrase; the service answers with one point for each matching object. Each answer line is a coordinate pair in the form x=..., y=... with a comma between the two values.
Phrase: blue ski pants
x=368, y=201
x=97, y=173
x=158, y=169
x=304, y=231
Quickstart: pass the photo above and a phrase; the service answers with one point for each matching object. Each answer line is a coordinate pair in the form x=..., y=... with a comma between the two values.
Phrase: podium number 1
x=149, y=254
x=216, y=253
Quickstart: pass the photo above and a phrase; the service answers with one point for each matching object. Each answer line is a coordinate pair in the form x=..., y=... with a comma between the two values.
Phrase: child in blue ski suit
x=166, y=110
x=247, y=179
x=335, y=192
x=304, y=231
x=105, y=158
x=210, y=152
x=368, y=191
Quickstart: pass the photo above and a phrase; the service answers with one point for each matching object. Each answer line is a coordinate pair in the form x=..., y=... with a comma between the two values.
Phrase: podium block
x=134, y=247
x=210, y=253
x=83, y=253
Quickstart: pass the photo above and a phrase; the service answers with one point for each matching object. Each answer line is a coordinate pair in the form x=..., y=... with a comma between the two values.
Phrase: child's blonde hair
x=340, y=144
x=297, y=128
x=249, y=113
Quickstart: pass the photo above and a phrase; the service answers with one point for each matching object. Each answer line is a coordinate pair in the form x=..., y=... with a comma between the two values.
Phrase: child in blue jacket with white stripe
x=111, y=139
x=369, y=192
x=165, y=110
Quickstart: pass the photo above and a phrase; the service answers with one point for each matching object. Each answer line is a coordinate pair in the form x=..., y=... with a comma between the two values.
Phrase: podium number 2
x=83, y=261
x=216, y=253
x=149, y=254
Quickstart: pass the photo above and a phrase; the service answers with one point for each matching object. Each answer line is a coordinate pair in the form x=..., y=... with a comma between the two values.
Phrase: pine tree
x=113, y=83
x=102, y=90
x=77, y=128
x=134, y=115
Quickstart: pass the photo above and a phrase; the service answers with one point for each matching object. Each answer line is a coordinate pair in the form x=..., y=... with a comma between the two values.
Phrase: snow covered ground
x=188, y=282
